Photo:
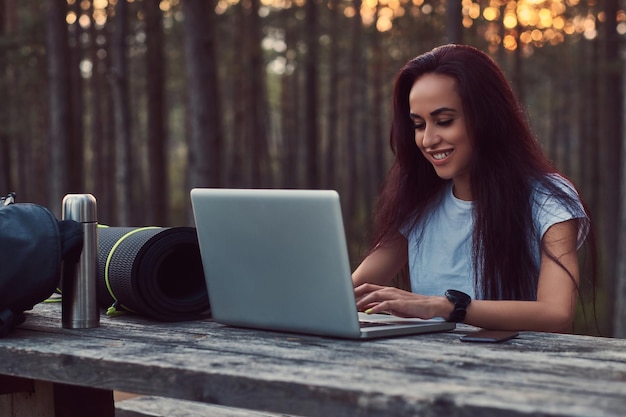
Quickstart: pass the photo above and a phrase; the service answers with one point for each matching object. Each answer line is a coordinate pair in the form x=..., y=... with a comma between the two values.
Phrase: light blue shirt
x=440, y=246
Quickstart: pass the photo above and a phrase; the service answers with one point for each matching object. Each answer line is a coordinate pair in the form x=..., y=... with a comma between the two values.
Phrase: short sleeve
x=550, y=208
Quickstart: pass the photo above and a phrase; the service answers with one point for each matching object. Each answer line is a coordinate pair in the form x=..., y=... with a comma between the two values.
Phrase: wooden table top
x=427, y=375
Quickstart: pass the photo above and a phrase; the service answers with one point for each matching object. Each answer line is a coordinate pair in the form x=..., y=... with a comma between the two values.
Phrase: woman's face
x=440, y=129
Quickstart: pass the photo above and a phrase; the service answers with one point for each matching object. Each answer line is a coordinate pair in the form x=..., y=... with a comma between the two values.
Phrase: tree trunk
x=204, y=111
x=261, y=173
x=332, y=116
x=290, y=106
x=76, y=144
x=454, y=21
x=59, y=101
x=587, y=116
x=611, y=117
x=6, y=180
x=311, y=93
x=238, y=167
x=354, y=134
x=155, y=84
x=378, y=148
x=102, y=145
x=121, y=116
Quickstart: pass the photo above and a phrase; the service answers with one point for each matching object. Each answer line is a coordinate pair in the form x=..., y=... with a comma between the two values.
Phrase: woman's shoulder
x=554, y=185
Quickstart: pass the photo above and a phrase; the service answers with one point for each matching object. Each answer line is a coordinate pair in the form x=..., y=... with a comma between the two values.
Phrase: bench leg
x=13, y=384
x=22, y=397
x=73, y=401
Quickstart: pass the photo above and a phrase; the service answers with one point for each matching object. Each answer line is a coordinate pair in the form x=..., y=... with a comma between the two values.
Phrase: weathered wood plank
x=535, y=374
x=149, y=406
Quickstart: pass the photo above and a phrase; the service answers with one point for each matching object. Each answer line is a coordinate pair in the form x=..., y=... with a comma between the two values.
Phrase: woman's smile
x=440, y=156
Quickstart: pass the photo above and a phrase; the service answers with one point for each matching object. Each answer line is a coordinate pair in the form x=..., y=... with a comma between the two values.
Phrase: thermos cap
x=80, y=207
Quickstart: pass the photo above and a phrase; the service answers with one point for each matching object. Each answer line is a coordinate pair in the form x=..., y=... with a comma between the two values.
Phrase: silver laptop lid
x=276, y=259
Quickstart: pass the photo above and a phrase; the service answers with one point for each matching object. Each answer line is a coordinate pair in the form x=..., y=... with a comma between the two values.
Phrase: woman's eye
x=419, y=125
x=445, y=122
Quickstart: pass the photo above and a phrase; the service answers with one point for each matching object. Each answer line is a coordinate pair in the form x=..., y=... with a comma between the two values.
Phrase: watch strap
x=461, y=301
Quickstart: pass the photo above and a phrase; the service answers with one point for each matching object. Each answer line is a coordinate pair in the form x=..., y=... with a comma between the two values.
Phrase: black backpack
x=33, y=246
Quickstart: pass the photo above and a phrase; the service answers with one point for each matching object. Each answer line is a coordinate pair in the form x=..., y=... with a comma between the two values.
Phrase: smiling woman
x=488, y=227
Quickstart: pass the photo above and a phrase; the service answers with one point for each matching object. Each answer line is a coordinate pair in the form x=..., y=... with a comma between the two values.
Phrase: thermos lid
x=80, y=207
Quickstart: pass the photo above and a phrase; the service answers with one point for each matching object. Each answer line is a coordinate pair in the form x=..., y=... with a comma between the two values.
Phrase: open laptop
x=278, y=260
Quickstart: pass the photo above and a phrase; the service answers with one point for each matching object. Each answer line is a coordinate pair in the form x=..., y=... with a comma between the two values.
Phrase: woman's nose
x=430, y=137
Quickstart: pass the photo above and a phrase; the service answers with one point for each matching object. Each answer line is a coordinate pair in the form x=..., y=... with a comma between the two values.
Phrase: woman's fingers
x=378, y=299
x=368, y=295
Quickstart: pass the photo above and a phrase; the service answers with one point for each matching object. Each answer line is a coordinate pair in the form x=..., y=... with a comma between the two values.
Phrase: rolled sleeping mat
x=153, y=271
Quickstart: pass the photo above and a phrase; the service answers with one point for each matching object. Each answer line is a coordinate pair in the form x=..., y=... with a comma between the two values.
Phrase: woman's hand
x=372, y=298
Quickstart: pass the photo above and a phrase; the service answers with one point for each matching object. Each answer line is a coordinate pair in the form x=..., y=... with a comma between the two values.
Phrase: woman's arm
x=556, y=293
x=552, y=312
x=383, y=264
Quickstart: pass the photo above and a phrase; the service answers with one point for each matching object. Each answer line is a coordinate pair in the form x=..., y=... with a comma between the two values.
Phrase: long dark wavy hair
x=507, y=162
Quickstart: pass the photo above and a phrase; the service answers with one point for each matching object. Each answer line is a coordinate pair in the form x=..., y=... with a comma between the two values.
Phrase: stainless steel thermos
x=79, y=280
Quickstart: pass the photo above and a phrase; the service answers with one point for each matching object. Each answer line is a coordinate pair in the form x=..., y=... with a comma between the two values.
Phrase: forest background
x=139, y=101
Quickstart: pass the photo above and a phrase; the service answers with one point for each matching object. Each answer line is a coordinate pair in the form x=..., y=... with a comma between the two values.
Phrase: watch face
x=458, y=297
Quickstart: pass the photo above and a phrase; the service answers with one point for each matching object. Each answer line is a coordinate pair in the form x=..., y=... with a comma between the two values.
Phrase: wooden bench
x=46, y=370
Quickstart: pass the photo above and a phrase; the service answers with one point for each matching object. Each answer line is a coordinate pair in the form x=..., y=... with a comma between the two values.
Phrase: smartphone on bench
x=489, y=336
